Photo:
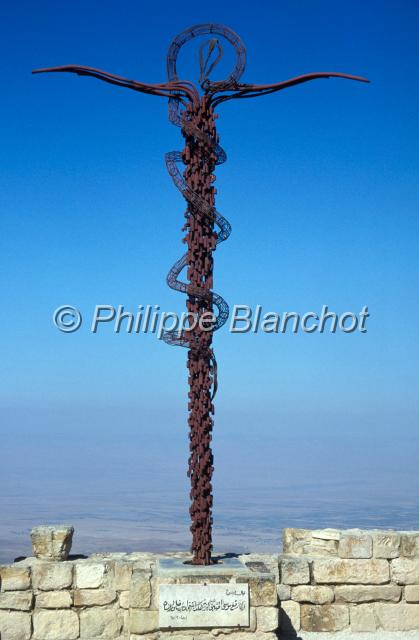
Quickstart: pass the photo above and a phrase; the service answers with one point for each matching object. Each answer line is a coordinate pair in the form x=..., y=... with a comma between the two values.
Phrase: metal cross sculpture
x=205, y=228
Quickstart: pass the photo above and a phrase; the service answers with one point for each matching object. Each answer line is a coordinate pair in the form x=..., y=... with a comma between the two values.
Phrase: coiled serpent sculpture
x=205, y=228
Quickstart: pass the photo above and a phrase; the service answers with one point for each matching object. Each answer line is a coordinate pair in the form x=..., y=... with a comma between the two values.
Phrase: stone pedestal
x=229, y=596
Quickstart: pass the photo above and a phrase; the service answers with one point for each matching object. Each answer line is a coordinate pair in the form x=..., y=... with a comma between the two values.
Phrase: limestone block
x=361, y=593
x=140, y=592
x=322, y=542
x=263, y=592
x=284, y=592
x=143, y=621
x=312, y=594
x=54, y=600
x=326, y=617
x=267, y=619
x=123, y=573
x=355, y=546
x=52, y=576
x=49, y=625
x=320, y=547
x=386, y=545
x=89, y=597
x=98, y=622
x=409, y=545
x=52, y=542
x=411, y=593
x=340, y=571
x=362, y=618
x=387, y=592
x=14, y=578
x=326, y=534
x=397, y=617
x=124, y=597
x=154, y=582
x=290, y=618
x=405, y=570
x=15, y=625
x=90, y=575
x=17, y=600
x=293, y=540
x=295, y=571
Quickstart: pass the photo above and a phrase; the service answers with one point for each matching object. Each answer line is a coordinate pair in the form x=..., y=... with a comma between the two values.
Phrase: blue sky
x=320, y=187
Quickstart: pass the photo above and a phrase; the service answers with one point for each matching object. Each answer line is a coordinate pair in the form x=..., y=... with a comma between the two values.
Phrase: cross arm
x=176, y=90
x=255, y=90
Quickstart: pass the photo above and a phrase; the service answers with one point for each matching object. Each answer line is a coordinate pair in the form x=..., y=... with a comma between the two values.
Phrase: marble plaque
x=203, y=605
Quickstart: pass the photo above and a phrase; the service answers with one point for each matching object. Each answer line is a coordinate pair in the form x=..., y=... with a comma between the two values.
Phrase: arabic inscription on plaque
x=203, y=605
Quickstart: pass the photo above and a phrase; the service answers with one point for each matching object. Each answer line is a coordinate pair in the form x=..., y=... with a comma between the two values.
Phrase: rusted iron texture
x=193, y=111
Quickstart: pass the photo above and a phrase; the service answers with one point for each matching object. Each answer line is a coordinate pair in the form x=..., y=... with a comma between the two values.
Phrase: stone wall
x=112, y=596
x=351, y=580
x=324, y=581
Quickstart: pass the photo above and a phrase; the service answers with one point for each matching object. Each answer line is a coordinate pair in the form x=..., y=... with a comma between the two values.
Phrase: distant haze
x=321, y=189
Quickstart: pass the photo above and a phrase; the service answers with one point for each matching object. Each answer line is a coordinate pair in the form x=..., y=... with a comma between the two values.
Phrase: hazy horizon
x=320, y=187
x=123, y=485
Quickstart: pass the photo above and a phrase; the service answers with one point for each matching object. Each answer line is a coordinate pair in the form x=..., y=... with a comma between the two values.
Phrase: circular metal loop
x=201, y=30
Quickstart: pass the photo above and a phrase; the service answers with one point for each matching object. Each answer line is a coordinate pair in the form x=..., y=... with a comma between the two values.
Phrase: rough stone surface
x=263, y=592
x=140, y=592
x=339, y=571
x=267, y=618
x=355, y=546
x=14, y=578
x=409, y=545
x=17, y=600
x=123, y=573
x=48, y=625
x=397, y=617
x=314, y=543
x=48, y=576
x=284, y=592
x=293, y=540
x=362, y=618
x=52, y=543
x=89, y=575
x=320, y=547
x=98, y=622
x=295, y=571
x=143, y=621
x=53, y=600
x=411, y=593
x=405, y=570
x=15, y=625
x=327, y=617
x=360, y=593
x=290, y=618
x=124, y=598
x=89, y=597
x=326, y=534
x=386, y=545
x=312, y=594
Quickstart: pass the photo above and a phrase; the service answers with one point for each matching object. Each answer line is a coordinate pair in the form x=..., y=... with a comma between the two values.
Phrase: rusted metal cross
x=194, y=112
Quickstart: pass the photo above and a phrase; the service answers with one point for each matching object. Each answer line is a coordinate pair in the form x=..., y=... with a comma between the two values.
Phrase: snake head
x=210, y=54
